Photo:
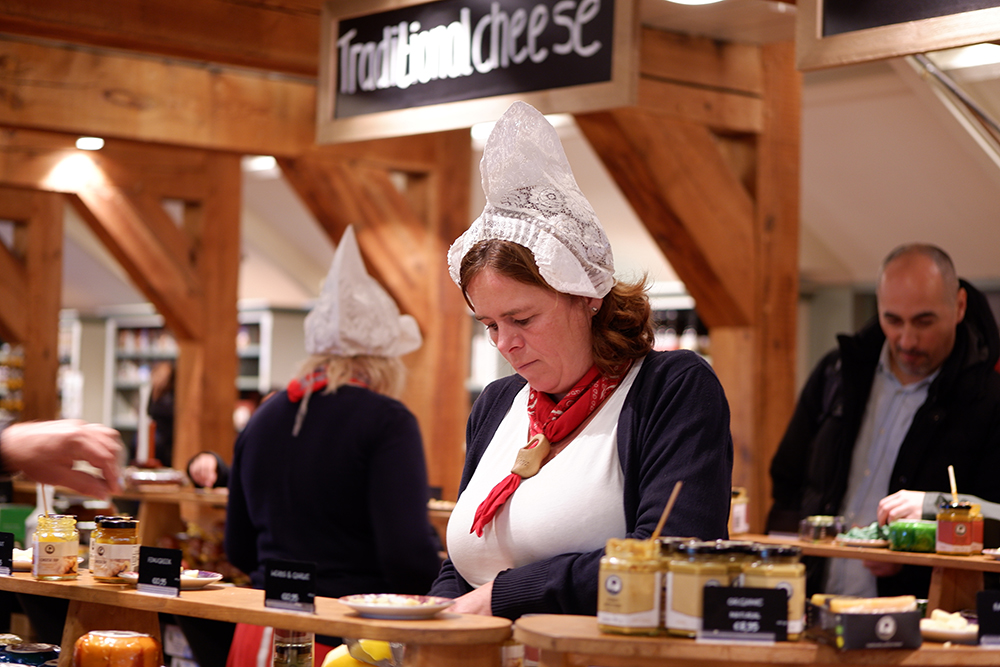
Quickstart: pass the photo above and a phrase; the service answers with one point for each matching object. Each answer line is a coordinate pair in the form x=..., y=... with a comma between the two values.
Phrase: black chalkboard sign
x=840, y=16
x=844, y=32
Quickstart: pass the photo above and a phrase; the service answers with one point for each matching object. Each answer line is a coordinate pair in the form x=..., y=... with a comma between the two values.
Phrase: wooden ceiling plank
x=278, y=35
x=723, y=111
x=700, y=61
x=717, y=305
x=67, y=89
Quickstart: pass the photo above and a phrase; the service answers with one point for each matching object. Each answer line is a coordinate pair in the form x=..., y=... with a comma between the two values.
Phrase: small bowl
x=820, y=528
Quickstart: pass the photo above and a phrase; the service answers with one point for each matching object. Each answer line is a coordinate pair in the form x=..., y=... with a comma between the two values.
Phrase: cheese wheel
x=873, y=605
x=116, y=648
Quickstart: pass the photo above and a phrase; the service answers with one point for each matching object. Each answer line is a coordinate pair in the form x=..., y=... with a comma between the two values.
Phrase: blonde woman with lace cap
x=586, y=441
x=331, y=470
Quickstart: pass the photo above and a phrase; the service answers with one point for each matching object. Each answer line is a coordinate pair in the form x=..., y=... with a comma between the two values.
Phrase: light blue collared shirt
x=888, y=415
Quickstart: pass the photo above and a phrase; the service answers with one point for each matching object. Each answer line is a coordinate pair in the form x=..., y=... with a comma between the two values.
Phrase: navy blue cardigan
x=674, y=425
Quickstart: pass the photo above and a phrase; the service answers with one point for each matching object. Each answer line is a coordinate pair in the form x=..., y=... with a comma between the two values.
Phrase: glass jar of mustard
x=954, y=529
x=115, y=549
x=628, y=594
x=778, y=566
x=668, y=549
x=56, y=547
x=695, y=566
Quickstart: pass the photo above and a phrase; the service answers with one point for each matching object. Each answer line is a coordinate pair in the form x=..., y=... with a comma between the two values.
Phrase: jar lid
x=777, y=550
x=959, y=506
x=119, y=523
x=698, y=548
x=736, y=546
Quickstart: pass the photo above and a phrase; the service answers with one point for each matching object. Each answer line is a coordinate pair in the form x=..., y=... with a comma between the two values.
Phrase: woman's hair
x=622, y=329
x=383, y=375
x=161, y=379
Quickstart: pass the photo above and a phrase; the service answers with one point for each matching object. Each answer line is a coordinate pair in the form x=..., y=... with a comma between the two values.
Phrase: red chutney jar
x=956, y=530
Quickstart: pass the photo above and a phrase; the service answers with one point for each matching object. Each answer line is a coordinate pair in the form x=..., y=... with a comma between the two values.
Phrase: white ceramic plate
x=933, y=633
x=855, y=542
x=992, y=553
x=393, y=606
x=200, y=579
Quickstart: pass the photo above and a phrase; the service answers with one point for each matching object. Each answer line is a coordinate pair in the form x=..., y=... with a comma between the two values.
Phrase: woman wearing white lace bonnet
x=331, y=470
x=586, y=442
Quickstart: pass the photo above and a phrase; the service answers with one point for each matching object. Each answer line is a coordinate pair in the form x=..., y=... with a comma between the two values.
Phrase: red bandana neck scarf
x=549, y=423
x=311, y=383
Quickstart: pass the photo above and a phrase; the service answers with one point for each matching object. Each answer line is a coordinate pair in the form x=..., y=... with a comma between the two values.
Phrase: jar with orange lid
x=955, y=530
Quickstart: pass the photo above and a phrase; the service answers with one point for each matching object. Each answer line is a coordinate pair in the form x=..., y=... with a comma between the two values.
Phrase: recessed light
x=694, y=2
x=90, y=143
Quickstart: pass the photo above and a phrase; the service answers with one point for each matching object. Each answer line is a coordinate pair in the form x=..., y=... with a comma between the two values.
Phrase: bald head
x=920, y=304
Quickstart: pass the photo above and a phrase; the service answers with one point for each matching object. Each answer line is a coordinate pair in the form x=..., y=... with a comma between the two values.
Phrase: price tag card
x=988, y=612
x=744, y=614
x=159, y=571
x=6, y=554
x=290, y=585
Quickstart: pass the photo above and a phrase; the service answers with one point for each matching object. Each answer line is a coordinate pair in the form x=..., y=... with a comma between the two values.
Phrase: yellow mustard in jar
x=955, y=530
x=628, y=595
x=115, y=549
x=695, y=566
x=55, y=547
x=778, y=566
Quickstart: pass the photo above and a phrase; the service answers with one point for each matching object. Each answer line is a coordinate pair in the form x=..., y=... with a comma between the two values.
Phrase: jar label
x=794, y=587
x=110, y=560
x=629, y=599
x=954, y=537
x=685, y=596
x=53, y=559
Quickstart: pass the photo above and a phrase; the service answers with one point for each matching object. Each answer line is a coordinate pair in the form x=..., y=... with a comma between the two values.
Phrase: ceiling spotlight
x=90, y=143
x=259, y=163
x=694, y=2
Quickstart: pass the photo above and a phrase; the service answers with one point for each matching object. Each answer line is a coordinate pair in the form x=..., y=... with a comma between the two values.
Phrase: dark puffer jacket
x=958, y=424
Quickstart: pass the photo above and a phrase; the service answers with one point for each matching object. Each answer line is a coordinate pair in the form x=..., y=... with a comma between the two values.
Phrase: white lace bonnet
x=533, y=200
x=355, y=315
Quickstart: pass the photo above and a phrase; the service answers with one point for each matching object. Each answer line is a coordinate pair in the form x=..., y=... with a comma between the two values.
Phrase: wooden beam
x=777, y=281
x=701, y=62
x=723, y=111
x=81, y=91
x=631, y=166
x=277, y=35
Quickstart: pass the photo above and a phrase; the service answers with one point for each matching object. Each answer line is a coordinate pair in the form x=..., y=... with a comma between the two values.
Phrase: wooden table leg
x=82, y=617
x=437, y=655
x=953, y=590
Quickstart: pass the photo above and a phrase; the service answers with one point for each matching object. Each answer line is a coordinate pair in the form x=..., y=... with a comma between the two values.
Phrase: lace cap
x=355, y=315
x=533, y=200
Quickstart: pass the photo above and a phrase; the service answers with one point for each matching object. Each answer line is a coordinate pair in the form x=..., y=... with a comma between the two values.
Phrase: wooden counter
x=448, y=639
x=575, y=641
x=955, y=580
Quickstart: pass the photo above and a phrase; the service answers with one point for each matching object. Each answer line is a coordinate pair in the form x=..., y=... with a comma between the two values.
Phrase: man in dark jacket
x=892, y=408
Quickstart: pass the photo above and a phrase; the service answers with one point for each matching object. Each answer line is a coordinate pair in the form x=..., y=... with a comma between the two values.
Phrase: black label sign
x=454, y=50
x=988, y=611
x=159, y=571
x=290, y=585
x=6, y=554
x=841, y=16
x=749, y=614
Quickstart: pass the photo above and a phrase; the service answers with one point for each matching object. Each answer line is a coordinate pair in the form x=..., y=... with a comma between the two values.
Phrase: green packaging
x=916, y=535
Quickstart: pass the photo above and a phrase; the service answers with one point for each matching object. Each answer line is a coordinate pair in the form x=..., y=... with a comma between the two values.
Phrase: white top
x=574, y=503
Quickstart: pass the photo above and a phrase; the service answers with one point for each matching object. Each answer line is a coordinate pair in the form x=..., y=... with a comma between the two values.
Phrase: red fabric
x=555, y=421
x=247, y=643
x=297, y=387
